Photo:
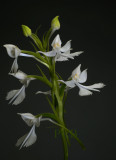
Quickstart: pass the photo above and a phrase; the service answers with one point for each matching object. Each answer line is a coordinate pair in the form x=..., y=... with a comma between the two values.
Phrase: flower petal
x=20, y=97
x=84, y=92
x=70, y=84
x=77, y=71
x=14, y=67
x=76, y=53
x=11, y=94
x=28, y=118
x=27, y=139
x=20, y=140
x=65, y=55
x=32, y=138
x=46, y=93
x=93, y=87
x=19, y=75
x=38, y=120
x=12, y=50
x=56, y=40
x=48, y=54
x=60, y=59
x=66, y=47
x=83, y=76
x=96, y=85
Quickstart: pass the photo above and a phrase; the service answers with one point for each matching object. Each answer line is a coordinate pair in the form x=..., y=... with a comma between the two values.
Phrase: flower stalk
x=56, y=97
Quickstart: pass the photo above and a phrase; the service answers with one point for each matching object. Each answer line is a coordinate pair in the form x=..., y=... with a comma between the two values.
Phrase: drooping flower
x=61, y=53
x=31, y=137
x=77, y=78
x=18, y=95
x=14, y=52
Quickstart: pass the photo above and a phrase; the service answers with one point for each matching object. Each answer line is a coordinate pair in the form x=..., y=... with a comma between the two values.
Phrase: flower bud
x=55, y=24
x=26, y=30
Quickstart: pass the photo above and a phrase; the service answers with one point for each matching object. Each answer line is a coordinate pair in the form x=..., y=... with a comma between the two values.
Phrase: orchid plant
x=57, y=94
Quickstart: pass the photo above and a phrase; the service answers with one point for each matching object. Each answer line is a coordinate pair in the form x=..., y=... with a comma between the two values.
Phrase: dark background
x=92, y=28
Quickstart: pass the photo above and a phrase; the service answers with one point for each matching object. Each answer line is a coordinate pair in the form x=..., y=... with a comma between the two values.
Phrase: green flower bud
x=26, y=30
x=55, y=24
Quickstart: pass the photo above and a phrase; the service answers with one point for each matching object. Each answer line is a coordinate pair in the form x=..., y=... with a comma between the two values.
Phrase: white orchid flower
x=18, y=95
x=14, y=52
x=77, y=78
x=31, y=137
x=60, y=53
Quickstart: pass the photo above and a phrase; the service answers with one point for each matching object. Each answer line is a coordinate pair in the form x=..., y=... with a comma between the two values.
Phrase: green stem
x=65, y=146
x=56, y=93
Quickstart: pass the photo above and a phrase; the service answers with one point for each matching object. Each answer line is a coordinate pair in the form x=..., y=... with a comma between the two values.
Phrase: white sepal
x=49, y=54
x=30, y=119
x=12, y=50
x=75, y=54
x=70, y=84
x=76, y=71
x=84, y=92
x=96, y=85
x=45, y=93
x=60, y=59
x=66, y=47
x=14, y=67
x=56, y=42
x=83, y=76
x=19, y=75
x=66, y=55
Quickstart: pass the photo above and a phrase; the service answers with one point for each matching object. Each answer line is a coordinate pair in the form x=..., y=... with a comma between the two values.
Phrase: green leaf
x=46, y=37
x=73, y=135
x=59, y=76
x=46, y=81
x=53, y=109
x=62, y=90
x=37, y=41
x=42, y=72
x=37, y=29
x=35, y=48
x=48, y=115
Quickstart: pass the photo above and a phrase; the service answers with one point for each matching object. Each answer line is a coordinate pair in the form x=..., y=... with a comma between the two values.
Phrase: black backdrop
x=92, y=28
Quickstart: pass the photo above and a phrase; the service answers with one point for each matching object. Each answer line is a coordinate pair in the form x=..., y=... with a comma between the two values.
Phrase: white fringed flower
x=77, y=78
x=61, y=53
x=18, y=95
x=14, y=52
x=31, y=137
